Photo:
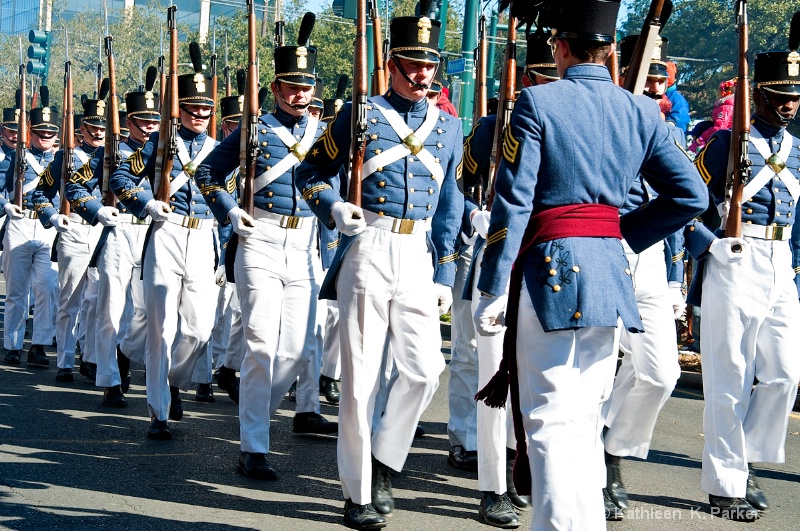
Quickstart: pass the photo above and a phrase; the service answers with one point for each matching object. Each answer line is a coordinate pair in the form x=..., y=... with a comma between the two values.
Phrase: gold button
x=778, y=201
x=297, y=197
x=749, y=210
x=269, y=168
x=172, y=207
x=316, y=202
x=749, y=222
x=577, y=315
x=553, y=272
x=297, y=209
x=269, y=205
x=691, y=229
x=270, y=193
x=264, y=144
x=576, y=269
x=411, y=190
x=380, y=213
x=379, y=169
x=373, y=137
x=381, y=200
x=263, y=131
x=410, y=206
x=193, y=202
x=373, y=120
x=267, y=155
x=382, y=184
x=410, y=175
x=378, y=151
x=429, y=206
x=547, y=259
x=172, y=199
x=436, y=159
x=410, y=158
x=556, y=288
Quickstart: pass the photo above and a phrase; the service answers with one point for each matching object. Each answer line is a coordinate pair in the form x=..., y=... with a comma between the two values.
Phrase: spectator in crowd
x=679, y=114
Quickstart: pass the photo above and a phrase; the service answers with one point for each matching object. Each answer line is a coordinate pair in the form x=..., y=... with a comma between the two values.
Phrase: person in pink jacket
x=722, y=116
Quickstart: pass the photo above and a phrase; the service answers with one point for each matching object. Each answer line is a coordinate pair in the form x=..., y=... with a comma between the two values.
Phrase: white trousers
x=75, y=248
x=26, y=264
x=277, y=277
x=749, y=329
x=462, y=424
x=331, y=360
x=308, y=380
x=178, y=271
x=650, y=367
x=495, y=426
x=227, y=339
x=385, y=290
x=121, y=312
x=564, y=378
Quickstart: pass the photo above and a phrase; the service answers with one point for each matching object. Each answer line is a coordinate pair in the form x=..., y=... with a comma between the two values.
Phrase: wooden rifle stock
x=613, y=64
x=640, y=61
x=481, y=92
x=379, y=83
x=67, y=139
x=162, y=80
x=22, y=138
x=508, y=86
x=111, y=155
x=212, y=124
x=249, y=149
x=359, y=118
x=170, y=118
x=738, y=158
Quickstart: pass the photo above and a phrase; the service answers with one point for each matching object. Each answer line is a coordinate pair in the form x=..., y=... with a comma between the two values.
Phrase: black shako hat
x=195, y=89
x=779, y=71
x=10, y=118
x=144, y=104
x=415, y=38
x=232, y=107
x=44, y=118
x=316, y=100
x=658, y=61
x=298, y=64
x=588, y=20
x=539, y=58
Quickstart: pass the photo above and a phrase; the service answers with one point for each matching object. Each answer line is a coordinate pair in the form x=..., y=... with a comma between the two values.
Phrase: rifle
x=379, y=85
x=481, y=92
x=162, y=76
x=637, y=70
x=111, y=155
x=358, y=125
x=508, y=86
x=212, y=123
x=98, y=76
x=141, y=83
x=170, y=118
x=22, y=131
x=67, y=132
x=248, y=143
x=613, y=64
x=738, y=162
x=227, y=70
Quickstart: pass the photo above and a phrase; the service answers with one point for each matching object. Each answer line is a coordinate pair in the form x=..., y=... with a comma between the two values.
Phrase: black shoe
x=419, y=432
x=89, y=370
x=614, y=486
x=520, y=503
x=158, y=430
x=175, y=404
x=113, y=397
x=311, y=422
x=496, y=510
x=64, y=375
x=228, y=382
x=36, y=356
x=462, y=459
x=292, y=393
x=613, y=512
x=329, y=388
x=755, y=496
x=382, y=498
x=362, y=516
x=732, y=508
x=205, y=394
x=255, y=466
x=13, y=357
x=124, y=364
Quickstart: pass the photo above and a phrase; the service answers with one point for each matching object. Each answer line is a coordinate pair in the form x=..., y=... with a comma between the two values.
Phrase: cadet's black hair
x=589, y=51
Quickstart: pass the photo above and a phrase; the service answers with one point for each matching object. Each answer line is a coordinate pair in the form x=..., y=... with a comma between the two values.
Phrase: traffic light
x=344, y=8
x=39, y=54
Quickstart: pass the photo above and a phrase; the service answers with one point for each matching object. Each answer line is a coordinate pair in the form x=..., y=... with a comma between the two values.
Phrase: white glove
x=60, y=222
x=444, y=294
x=722, y=249
x=349, y=218
x=158, y=210
x=480, y=222
x=676, y=298
x=107, y=216
x=490, y=315
x=13, y=211
x=242, y=223
x=220, y=278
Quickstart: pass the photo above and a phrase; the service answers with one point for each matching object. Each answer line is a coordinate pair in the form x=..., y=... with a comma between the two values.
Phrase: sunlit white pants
x=749, y=329
x=308, y=381
x=26, y=264
x=385, y=289
x=121, y=313
x=178, y=269
x=565, y=377
x=277, y=277
x=227, y=340
x=650, y=367
x=331, y=360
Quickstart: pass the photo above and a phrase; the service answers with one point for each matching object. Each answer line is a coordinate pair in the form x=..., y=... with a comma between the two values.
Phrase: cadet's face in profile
x=93, y=135
x=10, y=138
x=419, y=72
x=655, y=85
x=784, y=104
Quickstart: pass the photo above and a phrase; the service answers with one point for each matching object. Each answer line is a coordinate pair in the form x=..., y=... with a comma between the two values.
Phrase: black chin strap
x=413, y=83
x=782, y=119
x=296, y=106
x=145, y=134
x=195, y=115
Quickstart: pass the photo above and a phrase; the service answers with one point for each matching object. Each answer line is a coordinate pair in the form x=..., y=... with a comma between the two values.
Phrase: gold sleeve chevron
x=469, y=160
x=308, y=194
x=496, y=237
x=333, y=245
x=449, y=258
x=326, y=142
x=82, y=175
x=128, y=193
x=797, y=270
x=78, y=202
x=136, y=161
x=510, y=146
x=230, y=184
x=459, y=170
x=678, y=257
x=210, y=188
x=46, y=179
x=700, y=162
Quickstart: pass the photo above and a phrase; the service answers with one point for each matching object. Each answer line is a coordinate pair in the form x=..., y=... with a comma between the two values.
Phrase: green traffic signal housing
x=39, y=54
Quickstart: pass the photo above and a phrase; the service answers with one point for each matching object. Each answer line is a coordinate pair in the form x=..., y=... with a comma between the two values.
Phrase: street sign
x=456, y=66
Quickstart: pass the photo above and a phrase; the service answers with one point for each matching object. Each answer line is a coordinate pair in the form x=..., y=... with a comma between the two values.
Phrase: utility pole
x=468, y=43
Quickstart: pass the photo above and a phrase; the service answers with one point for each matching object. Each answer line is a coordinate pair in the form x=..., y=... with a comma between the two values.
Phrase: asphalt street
x=68, y=462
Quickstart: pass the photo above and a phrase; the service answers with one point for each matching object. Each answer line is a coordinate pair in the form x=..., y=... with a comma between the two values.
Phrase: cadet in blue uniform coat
x=563, y=176
x=180, y=255
x=27, y=246
x=78, y=236
x=395, y=263
x=749, y=298
x=277, y=268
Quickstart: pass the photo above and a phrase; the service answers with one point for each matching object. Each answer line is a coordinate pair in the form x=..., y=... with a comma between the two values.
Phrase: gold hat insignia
x=149, y=100
x=424, y=30
x=794, y=63
x=302, y=57
x=200, y=82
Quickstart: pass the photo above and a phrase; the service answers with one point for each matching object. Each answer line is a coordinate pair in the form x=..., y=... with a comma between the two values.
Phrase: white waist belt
x=286, y=222
x=770, y=232
x=130, y=218
x=77, y=219
x=190, y=222
x=396, y=225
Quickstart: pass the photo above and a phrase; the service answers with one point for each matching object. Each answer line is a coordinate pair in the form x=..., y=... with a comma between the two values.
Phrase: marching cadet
x=8, y=145
x=394, y=269
x=77, y=238
x=27, y=246
x=555, y=218
x=276, y=267
x=122, y=327
x=749, y=299
x=179, y=258
x=650, y=368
